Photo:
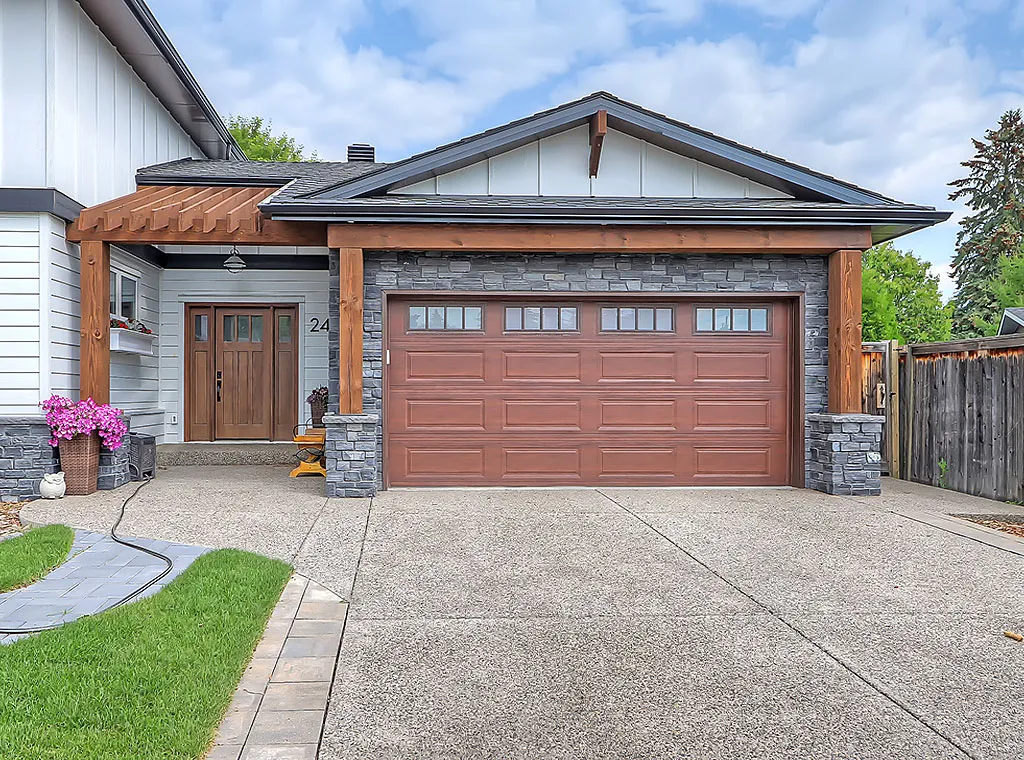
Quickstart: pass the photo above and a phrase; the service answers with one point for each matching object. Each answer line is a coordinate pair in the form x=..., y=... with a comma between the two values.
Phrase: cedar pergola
x=218, y=215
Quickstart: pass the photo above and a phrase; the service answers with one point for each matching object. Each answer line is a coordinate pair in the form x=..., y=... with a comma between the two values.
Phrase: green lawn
x=27, y=558
x=148, y=680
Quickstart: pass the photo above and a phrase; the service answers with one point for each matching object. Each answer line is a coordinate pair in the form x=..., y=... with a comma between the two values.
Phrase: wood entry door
x=241, y=373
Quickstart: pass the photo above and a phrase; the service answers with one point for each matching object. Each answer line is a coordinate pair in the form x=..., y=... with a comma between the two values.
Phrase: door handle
x=219, y=382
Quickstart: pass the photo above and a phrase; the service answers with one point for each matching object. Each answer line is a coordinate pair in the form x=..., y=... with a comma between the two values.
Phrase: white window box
x=131, y=341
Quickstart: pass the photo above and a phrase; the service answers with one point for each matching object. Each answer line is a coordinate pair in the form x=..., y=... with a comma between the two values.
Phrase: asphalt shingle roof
x=307, y=175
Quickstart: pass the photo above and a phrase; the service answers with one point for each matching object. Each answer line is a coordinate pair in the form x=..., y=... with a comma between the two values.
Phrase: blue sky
x=883, y=93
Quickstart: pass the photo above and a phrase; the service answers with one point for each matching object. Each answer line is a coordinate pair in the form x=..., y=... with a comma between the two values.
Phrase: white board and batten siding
x=178, y=287
x=73, y=114
x=559, y=165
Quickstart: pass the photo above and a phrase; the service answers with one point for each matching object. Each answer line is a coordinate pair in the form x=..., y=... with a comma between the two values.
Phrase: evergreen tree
x=994, y=192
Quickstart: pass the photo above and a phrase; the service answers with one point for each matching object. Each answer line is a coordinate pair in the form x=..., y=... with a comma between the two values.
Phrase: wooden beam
x=350, y=331
x=522, y=238
x=313, y=234
x=844, y=332
x=598, y=130
x=94, y=335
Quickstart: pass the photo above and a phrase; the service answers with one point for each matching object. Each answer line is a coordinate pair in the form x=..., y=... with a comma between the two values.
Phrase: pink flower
x=68, y=418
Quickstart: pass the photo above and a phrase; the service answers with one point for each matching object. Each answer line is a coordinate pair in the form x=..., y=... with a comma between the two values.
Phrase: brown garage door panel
x=485, y=407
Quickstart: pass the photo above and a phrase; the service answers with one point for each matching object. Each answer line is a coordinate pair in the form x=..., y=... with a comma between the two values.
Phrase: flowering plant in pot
x=318, y=405
x=130, y=324
x=77, y=429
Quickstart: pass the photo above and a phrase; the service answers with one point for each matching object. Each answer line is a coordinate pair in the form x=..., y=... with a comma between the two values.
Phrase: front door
x=241, y=378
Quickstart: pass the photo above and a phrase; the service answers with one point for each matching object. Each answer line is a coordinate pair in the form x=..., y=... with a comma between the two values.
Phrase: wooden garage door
x=527, y=391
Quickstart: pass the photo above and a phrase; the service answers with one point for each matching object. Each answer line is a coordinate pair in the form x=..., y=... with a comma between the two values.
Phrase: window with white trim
x=730, y=319
x=438, y=317
x=636, y=319
x=124, y=296
x=541, y=318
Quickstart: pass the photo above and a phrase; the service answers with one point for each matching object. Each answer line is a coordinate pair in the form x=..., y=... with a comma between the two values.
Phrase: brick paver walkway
x=98, y=573
x=278, y=709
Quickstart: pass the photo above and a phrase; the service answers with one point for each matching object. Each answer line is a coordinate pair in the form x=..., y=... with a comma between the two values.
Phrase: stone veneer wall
x=25, y=456
x=351, y=453
x=845, y=453
x=584, y=273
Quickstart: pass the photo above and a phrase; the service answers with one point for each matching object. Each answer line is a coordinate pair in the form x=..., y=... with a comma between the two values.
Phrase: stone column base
x=845, y=453
x=351, y=452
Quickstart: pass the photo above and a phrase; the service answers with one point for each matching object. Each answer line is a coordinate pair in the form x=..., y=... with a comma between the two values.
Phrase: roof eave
x=141, y=41
x=624, y=116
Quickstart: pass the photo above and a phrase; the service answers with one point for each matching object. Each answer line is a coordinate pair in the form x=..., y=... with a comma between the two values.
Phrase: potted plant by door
x=78, y=429
x=318, y=405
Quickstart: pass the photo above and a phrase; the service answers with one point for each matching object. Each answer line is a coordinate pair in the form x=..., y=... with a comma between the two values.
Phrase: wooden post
x=892, y=408
x=94, y=366
x=350, y=330
x=844, y=332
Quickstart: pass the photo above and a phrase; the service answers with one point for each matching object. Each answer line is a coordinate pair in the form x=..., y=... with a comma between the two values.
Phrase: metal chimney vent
x=361, y=152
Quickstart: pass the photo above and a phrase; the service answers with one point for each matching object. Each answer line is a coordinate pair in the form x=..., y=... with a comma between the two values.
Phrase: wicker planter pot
x=317, y=411
x=80, y=461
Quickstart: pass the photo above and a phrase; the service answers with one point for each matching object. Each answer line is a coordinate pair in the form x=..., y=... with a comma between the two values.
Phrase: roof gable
x=626, y=119
x=558, y=165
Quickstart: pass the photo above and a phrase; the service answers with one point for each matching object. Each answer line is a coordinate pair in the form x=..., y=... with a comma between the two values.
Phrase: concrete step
x=183, y=454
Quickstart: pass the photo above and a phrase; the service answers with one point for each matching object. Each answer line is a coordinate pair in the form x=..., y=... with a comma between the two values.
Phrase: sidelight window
x=452, y=318
x=541, y=318
x=636, y=319
x=728, y=319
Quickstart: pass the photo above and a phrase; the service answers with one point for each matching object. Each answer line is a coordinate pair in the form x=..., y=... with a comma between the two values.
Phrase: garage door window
x=445, y=318
x=636, y=319
x=728, y=319
x=541, y=318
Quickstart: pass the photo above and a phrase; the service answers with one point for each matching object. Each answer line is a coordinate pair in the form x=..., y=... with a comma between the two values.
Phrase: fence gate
x=880, y=396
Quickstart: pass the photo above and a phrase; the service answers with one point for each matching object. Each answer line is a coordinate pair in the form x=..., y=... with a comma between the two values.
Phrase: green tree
x=994, y=192
x=1008, y=288
x=259, y=143
x=878, y=312
x=921, y=315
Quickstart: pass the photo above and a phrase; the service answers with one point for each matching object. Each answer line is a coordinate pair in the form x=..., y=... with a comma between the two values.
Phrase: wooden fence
x=955, y=413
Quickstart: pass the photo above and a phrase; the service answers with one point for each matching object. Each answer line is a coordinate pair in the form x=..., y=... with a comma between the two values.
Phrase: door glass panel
x=664, y=320
x=705, y=319
x=229, y=328
x=722, y=319
x=417, y=317
x=531, y=318
x=645, y=319
x=549, y=318
x=609, y=319
x=128, y=286
x=569, y=318
x=284, y=328
x=243, y=328
x=474, y=318
x=202, y=328
x=453, y=318
x=435, y=317
x=759, y=320
x=257, y=329
x=741, y=319
x=513, y=318
x=627, y=319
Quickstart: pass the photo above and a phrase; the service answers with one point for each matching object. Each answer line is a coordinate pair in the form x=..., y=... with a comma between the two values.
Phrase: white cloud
x=946, y=282
x=884, y=93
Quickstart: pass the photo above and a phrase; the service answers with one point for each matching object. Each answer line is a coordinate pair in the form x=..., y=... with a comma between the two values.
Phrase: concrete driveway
x=642, y=623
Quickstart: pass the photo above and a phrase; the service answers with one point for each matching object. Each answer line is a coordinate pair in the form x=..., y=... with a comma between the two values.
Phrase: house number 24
x=316, y=325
